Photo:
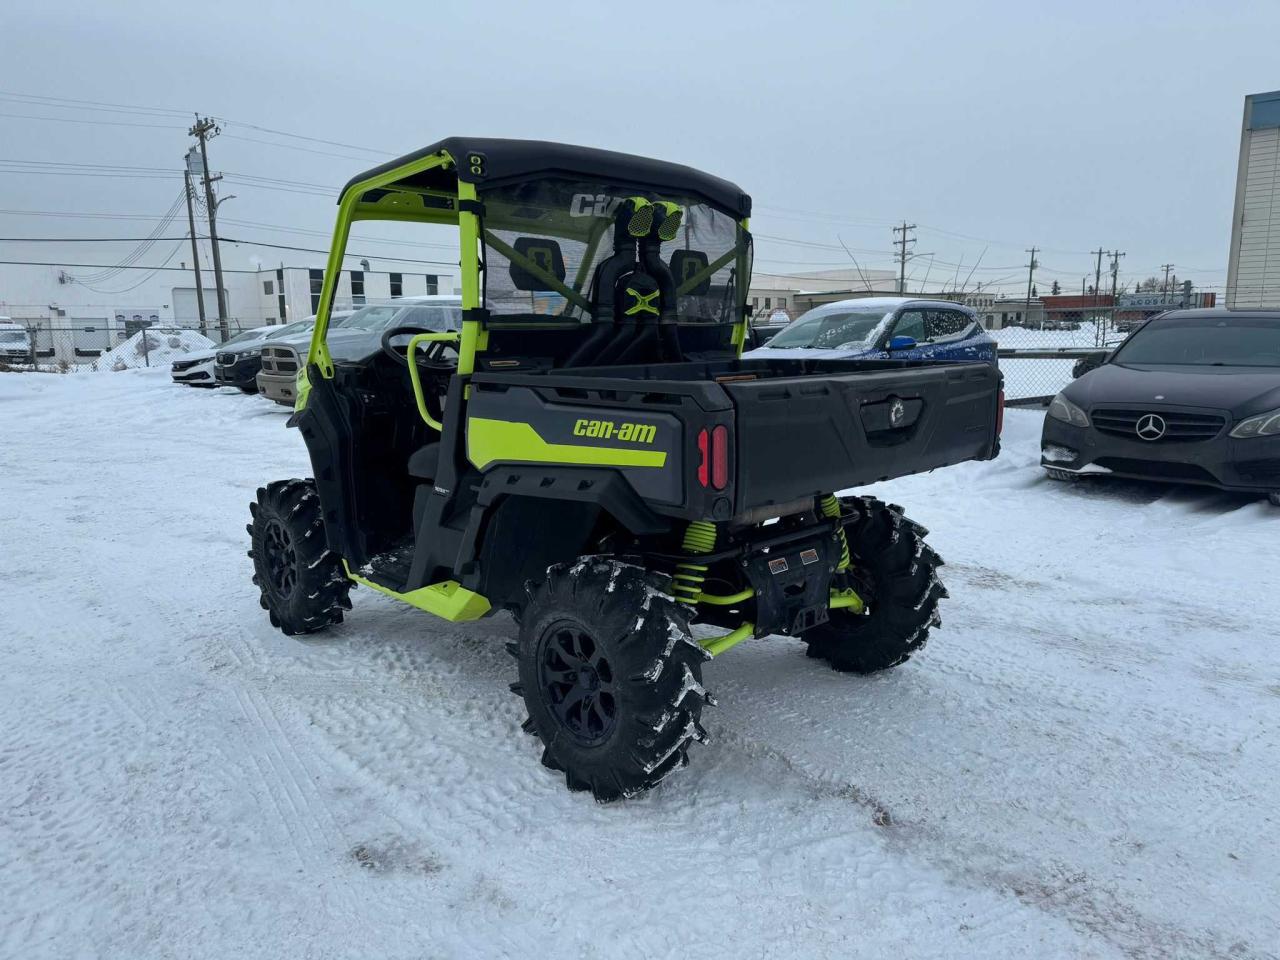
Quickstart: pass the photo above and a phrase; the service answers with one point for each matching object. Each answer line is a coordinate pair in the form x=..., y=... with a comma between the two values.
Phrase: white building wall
x=1253, y=270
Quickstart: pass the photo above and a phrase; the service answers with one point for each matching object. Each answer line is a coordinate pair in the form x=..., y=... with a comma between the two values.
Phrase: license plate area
x=792, y=585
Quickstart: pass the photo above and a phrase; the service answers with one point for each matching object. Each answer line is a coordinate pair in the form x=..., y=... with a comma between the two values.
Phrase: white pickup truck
x=15, y=342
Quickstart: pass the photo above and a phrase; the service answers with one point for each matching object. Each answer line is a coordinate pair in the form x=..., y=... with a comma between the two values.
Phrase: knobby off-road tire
x=301, y=582
x=611, y=677
x=895, y=572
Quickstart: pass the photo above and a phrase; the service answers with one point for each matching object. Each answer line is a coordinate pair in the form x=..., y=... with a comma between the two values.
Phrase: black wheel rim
x=578, y=683
x=282, y=566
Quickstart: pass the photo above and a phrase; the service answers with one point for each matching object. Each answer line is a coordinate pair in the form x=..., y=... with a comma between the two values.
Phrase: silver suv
x=353, y=336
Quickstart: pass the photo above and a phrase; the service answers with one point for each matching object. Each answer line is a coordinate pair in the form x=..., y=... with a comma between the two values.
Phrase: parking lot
x=1080, y=764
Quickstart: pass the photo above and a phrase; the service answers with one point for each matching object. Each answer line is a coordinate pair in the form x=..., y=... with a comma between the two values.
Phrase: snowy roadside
x=1083, y=762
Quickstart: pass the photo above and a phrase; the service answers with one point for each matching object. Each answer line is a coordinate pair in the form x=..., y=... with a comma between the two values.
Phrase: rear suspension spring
x=830, y=507
x=699, y=538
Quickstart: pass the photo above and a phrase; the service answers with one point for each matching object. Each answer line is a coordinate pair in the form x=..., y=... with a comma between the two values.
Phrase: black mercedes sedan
x=1192, y=396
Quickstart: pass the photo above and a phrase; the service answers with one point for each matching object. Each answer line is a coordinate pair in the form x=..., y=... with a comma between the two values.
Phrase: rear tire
x=895, y=572
x=611, y=677
x=301, y=583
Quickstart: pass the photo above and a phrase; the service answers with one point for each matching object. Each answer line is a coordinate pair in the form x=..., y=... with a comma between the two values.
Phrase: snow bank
x=155, y=346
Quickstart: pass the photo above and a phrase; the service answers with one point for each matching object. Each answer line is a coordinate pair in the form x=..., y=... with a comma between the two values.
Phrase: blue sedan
x=903, y=328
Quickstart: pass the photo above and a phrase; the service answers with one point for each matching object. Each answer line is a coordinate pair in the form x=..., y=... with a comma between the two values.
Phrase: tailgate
x=824, y=432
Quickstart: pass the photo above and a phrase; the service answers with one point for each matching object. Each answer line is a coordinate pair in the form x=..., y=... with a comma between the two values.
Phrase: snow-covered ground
x=1083, y=763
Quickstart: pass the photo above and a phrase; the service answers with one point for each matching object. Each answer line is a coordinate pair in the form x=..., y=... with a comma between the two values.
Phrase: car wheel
x=1274, y=498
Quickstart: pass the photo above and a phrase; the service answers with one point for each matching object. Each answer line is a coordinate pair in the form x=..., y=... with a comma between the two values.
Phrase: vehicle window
x=370, y=318
x=440, y=318
x=12, y=336
x=910, y=323
x=243, y=337
x=1204, y=341
x=830, y=328
x=945, y=324
x=546, y=238
x=298, y=326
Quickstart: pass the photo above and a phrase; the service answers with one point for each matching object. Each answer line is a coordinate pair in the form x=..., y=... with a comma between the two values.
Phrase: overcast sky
x=1112, y=124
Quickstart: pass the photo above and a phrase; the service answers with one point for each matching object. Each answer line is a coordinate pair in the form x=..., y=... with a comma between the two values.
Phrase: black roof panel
x=517, y=158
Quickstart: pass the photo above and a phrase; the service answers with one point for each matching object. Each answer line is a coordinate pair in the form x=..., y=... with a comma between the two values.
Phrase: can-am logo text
x=593, y=205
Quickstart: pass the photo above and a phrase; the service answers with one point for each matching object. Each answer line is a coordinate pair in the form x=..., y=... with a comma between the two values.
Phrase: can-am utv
x=590, y=453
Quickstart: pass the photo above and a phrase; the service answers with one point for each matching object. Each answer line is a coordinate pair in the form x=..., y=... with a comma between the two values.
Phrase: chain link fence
x=1038, y=361
x=66, y=347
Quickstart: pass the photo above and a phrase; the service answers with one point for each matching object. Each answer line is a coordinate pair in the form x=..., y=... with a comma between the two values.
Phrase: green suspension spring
x=699, y=538
x=830, y=507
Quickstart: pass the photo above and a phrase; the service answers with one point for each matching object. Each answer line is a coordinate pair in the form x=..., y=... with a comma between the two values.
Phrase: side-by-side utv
x=590, y=453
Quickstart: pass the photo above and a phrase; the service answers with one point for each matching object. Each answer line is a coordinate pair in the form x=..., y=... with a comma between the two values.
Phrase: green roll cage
x=394, y=200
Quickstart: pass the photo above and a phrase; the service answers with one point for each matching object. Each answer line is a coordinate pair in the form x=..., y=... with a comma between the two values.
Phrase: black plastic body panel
x=800, y=427
x=821, y=433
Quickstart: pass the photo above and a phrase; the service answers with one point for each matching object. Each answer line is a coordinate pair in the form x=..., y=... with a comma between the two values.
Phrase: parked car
x=238, y=360
x=15, y=342
x=276, y=376
x=904, y=328
x=1193, y=396
x=195, y=369
x=352, y=336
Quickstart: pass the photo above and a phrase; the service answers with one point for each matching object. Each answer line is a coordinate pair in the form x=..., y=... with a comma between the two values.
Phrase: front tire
x=611, y=677
x=301, y=583
x=895, y=572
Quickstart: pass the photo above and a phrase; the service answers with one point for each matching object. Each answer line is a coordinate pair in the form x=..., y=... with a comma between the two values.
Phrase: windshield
x=246, y=337
x=825, y=327
x=438, y=317
x=298, y=326
x=1204, y=342
x=547, y=239
x=12, y=336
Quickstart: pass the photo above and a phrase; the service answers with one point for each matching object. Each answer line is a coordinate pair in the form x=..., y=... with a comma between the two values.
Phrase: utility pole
x=1099, y=329
x=1164, y=289
x=195, y=250
x=902, y=246
x=1115, y=284
x=1115, y=273
x=203, y=130
x=1031, y=272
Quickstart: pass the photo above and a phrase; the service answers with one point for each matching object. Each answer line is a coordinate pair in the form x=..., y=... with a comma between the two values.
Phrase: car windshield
x=1204, y=342
x=12, y=336
x=828, y=328
x=298, y=326
x=440, y=317
x=247, y=337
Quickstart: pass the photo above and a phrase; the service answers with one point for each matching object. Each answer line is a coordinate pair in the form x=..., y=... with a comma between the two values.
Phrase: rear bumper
x=1247, y=465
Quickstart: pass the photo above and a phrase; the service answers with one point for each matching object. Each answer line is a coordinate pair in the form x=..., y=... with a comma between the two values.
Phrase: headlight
x=1263, y=425
x=1066, y=411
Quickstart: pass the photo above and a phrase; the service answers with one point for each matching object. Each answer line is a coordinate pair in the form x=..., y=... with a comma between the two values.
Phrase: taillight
x=713, y=466
x=720, y=457
x=1000, y=415
x=704, y=466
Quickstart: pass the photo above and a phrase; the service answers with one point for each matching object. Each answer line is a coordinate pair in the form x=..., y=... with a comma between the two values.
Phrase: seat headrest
x=544, y=254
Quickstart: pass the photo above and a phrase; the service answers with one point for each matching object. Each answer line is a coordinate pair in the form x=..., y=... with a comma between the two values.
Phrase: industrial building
x=1253, y=269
